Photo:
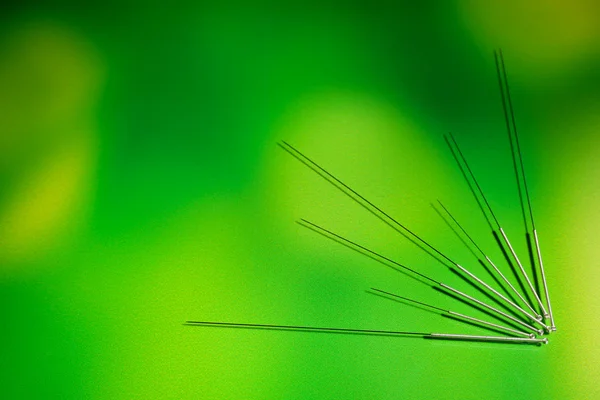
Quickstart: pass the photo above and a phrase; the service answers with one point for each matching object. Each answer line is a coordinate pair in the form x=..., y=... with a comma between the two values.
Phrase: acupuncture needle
x=461, y=317
x=438, y=336
x=485, y=256
x=325, y=174
x=454, y=229
x=514, y=254
x=481, y=207
x=499, y=58
x=448, y=288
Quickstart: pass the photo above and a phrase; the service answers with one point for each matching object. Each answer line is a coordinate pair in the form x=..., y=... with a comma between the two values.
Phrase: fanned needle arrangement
x=522, y=313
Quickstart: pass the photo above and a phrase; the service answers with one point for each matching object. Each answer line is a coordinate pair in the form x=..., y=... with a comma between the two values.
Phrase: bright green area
x=162, y=124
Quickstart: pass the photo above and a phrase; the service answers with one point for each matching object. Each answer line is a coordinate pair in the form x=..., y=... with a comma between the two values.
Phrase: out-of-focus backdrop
x=141, y=186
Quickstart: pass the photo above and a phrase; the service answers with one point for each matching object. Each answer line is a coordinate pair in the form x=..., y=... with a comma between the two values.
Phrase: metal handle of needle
x=379, y=256
x=481, y=303
x=450, y=336
x=537, y=298
x=513, y=305
x=520, y=172
x=539, y=254
x=475, y=338
x=466, y=234
x=352, y=244
x=458, y=154
x=482, y=322
x=459, y=315
x=510, y=284
x=379, y=213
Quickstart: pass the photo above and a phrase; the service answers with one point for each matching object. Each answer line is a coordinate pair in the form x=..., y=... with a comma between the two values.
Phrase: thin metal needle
x=499, y=339
x=485, y=214
x=537, y=246
x=457, y=292
x=445, y=336
x=466, y=296
x=302, y=328
x=514, y=254
x=505, y=106
x=461, y=316
x=348, y=191
x=485, y=265
x=516, y=307
x=512, y=250
x=514, y=290
x=389, y=220
x=500, y=66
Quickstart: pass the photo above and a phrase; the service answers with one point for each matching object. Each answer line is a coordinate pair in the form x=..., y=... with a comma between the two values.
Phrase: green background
x=141, y=186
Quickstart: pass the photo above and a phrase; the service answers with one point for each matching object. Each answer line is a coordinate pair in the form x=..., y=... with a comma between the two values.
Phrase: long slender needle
x=389, y=220
x=348, y=191
x=303, y=328
x=469, y=246
x=441, y=336
x=471, y=187
x=514, y=290
x=537, y=245
x=485, y=214
x=506, y=240
x=483, y=210
x=462, y=317
x=501, y=69
x=499, y=339
x=448, y=288
x=506, y=104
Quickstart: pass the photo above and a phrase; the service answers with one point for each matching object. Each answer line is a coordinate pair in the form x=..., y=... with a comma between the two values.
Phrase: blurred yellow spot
x=46, y=207
x=49, y=83
x=543, y=37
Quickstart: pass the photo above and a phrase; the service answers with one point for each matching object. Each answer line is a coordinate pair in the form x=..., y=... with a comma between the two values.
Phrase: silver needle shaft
x=481, y=303
x=520, y=174
x=448, y=336
x=461, y=316
x=537, y=298
x=503, y=298
x=377, y=256
x=505, y=238
x=510, y=285
x=537, y=246
x=499, y=339
x=390, y=221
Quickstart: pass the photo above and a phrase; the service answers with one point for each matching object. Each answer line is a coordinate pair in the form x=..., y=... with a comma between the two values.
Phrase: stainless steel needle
x=520, y=173
x=498, y=339
x=505, y=238
x=514, y=290
x=442, y=336
x=446, y=288
x=390, y=221
x=459, y=315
